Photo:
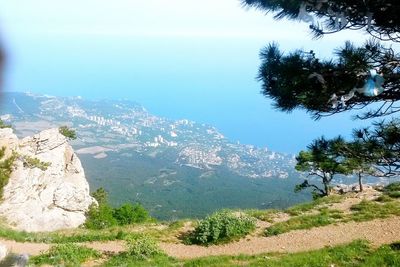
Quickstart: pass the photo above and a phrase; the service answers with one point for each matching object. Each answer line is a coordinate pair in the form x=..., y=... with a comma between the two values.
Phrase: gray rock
x=37, y=200
x=3, y=252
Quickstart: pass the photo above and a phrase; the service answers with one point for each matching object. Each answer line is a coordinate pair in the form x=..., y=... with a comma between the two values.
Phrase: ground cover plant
x=65, y=255
x=220, y=227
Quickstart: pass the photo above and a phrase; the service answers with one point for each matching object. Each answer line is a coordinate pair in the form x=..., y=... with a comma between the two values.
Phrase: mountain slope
x=175, y=168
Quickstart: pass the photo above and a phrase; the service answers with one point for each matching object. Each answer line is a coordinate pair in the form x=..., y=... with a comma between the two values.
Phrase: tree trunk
x=326, y=185
x=360, y=181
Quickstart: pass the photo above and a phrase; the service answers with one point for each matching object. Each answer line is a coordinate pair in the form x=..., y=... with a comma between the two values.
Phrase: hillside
x=356, y=229
x=176, y=169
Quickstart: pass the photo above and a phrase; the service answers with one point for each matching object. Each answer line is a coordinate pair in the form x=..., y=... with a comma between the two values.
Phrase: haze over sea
x=181, y=59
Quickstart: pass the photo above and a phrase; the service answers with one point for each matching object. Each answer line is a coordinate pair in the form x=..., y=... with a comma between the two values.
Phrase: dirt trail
x=37, y=248
x=378, y=232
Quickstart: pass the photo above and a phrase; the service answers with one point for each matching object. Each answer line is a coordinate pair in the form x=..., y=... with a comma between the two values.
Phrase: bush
x=67, y=132
x=66, y=255
x=142, y=247
x=100, y=195
x=100, y=217
x=221, y=227
x=128, y=214
x=103, y=215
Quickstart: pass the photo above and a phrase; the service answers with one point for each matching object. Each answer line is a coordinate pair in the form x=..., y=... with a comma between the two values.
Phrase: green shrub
x=221, y=227
x=103, y=215
x=100, y=217
x=6, y=166
x=128, y=214
x=31, y=163
x=3, y=125
x=66, y=255
x=67, y=132
x=100, y=195
x=142, y=247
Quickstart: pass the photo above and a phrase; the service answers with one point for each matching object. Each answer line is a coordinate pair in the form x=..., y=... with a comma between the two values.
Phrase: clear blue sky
x=179, y=58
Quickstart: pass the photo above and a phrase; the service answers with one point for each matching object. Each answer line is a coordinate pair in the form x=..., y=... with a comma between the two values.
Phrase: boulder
x=49, y=198
x=3, y=252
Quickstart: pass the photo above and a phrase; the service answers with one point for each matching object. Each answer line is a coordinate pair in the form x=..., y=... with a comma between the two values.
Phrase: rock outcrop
x=50, y=194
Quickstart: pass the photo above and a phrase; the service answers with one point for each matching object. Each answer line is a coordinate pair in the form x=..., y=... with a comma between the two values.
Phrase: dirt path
x=378, y=232
x=37, y=248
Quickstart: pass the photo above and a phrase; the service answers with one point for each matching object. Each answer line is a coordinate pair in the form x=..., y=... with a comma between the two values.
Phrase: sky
x=179, y=58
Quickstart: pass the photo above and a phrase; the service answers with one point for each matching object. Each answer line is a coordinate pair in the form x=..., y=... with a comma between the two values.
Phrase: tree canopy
x=357, y=78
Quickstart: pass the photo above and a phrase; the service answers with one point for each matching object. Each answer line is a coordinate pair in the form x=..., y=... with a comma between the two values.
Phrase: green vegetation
x=32, y=163
x=142, y=247
x=392, y=190
x=6, y=166
x=220, y=227
x=142, y=250
x=100, y=217
x=67, y=132
x=262, y=215
x=369, y=210
x=66, y=255
x=124, y=259
x=308, y=206
x=3, y=125
x=355, y=254
x=321, y=161
x=364, y=211
x=358, y=77
x=129, y=214
x=324, y=217
x=103, y=216
x=77, y=235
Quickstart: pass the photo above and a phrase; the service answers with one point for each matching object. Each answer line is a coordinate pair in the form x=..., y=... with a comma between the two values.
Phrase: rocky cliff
x=47, y=189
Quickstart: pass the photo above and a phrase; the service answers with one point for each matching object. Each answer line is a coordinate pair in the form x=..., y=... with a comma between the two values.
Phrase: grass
x=262, y=215
x=364, y=211
x=81, y=234
x=324, y=217
x=66, y=255
x=369, y=210
x=124, y=259
x=392, y=190
x=357, y=253
x=305, y=207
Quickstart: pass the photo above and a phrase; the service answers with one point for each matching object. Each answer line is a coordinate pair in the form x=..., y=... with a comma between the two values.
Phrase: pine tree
x=358, y=78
